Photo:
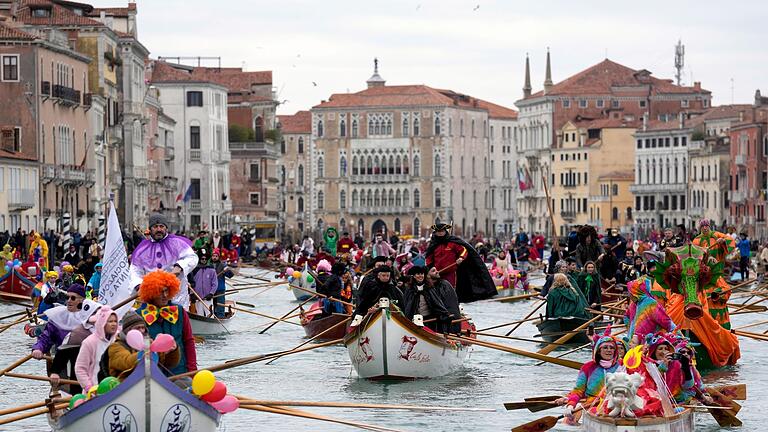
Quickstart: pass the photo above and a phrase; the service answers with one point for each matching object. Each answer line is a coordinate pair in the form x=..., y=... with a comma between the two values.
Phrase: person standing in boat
x=345, y=245
x=329, y=284
x=423, y=297
x=204, y=281
x=459, y=264
x=223, y=272
x=162, y=315
x=591, y=378
x=381, y=285
x=167, y=252
x=381, y=247
x=449, y=297
x=589, y=247
x=589, y=284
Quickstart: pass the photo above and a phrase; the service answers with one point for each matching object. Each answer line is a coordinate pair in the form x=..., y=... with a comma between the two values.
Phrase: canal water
x=488, y=379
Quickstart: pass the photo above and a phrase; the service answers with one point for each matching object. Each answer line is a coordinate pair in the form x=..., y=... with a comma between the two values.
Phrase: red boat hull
x=318, y=325
x=18, y=285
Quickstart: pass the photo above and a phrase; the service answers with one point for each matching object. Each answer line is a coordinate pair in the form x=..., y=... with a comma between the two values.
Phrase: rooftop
x=9, y=33
x=56, y=16
x=299, y=123
x=413, y=96
x=609, y=77
x=114, y=11
x=234, y=79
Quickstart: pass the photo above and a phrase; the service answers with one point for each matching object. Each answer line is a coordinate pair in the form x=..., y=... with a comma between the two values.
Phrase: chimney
x=527, y=86
x=741, y=115
x=548, y=76
x=758, y=98
x=697, y=85
x=645, y=121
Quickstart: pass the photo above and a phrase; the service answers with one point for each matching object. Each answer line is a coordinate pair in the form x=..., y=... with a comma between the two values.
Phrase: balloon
x=163, y=343
x=217, y=394
x=78, y=397
x=296, y=274
x=7, y=268
x=107, y=384
x=135, y=340
x=9, y=263
x=78, y=403
x=310, y=279
x=289, y=270
x=17, y=266
x=203, y=382
x=228, y=404
x=92, y=391
x=16, y=262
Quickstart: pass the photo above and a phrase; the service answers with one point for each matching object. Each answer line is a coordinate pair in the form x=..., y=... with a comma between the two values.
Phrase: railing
x=195, y=155
x=45, y=88
x=47, y=173
x=169, y=153
x=195, y=204
x=569, y=186
x=380, y=178
x=378, y=210
x=169, y=183
x=696, y=211
x=227, y=206
x=220, y=156
x=254, y=179
x=738, y=196
x=70, y=174
x=21, y=199
x=88, y=99
x=674, y=187
x=66, y=94
x=568, y=215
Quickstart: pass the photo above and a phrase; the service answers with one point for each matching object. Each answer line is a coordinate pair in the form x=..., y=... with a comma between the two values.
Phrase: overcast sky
x=317, y=48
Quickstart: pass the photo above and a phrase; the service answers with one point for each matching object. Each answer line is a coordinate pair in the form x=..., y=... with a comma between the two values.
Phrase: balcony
x=657, y=188
x=67, y=95
x=140, y=173
x=169, y=153
x=195, y=155
x=21, y=199
x=220, y=157
x=379, y=210
x=569, y=186
x=380, y=178
x=568, y=215
x=738, y=197
x=70, y=175
x=195, y=204
x=169, y=183
x=47, y=173
x=45, y=88
x=740, y=160
x=254, y=179
x=88, y=99
x=530, y=193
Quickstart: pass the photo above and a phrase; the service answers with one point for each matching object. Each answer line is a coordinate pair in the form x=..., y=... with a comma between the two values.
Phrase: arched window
x=377, y=127
x=629, y=213
x=320, y=167
x=343, y=166
x=376, y=166
x=472, y=126
x=342, y=224
x=370, y=126
x=416, y=127
x=320, y=199
x=320, y=224
x=389, y=127
x=416, y=166
x=438, y=198
x=369, y=166
x=320, y=128
x=405, y=127
x=461, y=127
x=354, y=128
x=450, y=127
x=615, y=213
x=301, y=145
x=376, y=199
x=258, y=129
x=391, y=164
x=300, y=205
x=355, y=201
x=397, y=224
x=343, y=128
x=282, y=146
x=474, y=199
x=417, y=227
x=391, y=200
x=473, y=165
x=416, y=198
x=343, y=199
x=406, y=198
x=437, y=124
x=370, y=198
x=614, y=189
x=677, y=171
x=384, y=164
x=438, y=166
x=282, y=175
x=398, y=199
x=398, y=164
x=301, y=175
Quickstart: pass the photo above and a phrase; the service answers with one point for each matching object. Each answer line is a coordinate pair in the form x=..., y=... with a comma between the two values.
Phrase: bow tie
x=168, y=313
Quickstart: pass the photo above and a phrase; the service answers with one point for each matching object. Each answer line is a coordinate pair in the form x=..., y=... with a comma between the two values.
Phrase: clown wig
x=153, y=284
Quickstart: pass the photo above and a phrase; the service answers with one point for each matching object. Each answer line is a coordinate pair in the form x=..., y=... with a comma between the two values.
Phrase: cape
x=473, y=281
x=150, y=254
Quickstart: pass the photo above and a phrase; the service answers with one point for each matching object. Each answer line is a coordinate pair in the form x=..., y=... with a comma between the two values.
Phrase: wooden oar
x=562, y=362
x=542, y=424
x=40, y=378
x=30, y=406
x=210, y=309
x=265, y=316
x=359, y=405
x=727, y=417
x=756, y=336
x=126, y=301
x=756, y=309
x=565, y=338
x=509, y=324
x=253, y=359
x=732, y=391
x=5, y=327
x=533, y=404
x=561, y=355
x=530, y=314
x=314, y=337
x=288, y=313
x=510, y=299
x=16, y=364
x=322, y=295
x=304, y=414
x=32, y=414
x=24, y=312
x=751, y=325
x=510, y=337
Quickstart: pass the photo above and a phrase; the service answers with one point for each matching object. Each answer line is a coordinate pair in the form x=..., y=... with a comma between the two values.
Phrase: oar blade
x=535, y=406
x=538, y=425
x=734, y=391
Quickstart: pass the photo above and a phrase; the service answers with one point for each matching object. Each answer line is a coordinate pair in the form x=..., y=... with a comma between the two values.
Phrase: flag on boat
x=115, y=277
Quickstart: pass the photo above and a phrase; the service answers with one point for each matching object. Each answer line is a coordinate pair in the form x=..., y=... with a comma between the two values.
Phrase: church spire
x=548, y=77
x=376, y=80
x=527, y=86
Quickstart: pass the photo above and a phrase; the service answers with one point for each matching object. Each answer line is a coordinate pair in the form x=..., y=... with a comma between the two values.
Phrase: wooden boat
x=551, y=329
x=681, y=422
x=17, y=284
x=317, y=325
x=210, y=326
x=389, y=346
x=146, y=401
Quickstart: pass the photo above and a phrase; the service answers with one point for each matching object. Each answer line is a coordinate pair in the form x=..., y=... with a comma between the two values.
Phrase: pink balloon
x=228, y=404
x=135, y=340
x=163, y=343
x=78, y=403
x=288, y=271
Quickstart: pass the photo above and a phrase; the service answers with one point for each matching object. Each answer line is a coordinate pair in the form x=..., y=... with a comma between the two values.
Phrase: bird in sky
x=476, y=8
x=314, y=83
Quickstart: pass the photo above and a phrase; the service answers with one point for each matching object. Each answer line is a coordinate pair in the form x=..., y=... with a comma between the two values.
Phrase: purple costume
x=151, y=255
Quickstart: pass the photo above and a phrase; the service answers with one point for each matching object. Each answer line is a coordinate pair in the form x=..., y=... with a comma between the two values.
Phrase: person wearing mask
x=589, y=284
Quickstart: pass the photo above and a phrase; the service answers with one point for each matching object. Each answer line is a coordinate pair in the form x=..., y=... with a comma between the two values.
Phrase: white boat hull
x=683, y=422
x=389, y=346
x=129, y=405
x=208, y=326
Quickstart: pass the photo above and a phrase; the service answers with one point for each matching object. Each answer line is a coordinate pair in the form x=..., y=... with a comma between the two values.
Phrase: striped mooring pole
x=65, y=228
x=102, y=231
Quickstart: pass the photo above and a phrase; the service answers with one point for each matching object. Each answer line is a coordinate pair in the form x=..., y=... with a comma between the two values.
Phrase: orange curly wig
x=153, y=284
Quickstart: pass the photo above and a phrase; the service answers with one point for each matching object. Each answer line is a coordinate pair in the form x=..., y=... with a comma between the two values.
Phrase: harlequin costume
x=645, y=315
x=169, y=318
x=591, y=378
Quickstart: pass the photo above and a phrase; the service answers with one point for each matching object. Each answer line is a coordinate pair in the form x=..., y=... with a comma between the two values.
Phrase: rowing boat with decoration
x=17, y=284
x=680, y=422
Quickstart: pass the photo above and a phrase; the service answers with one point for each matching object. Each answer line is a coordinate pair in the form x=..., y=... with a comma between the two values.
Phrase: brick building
x=294, y=173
